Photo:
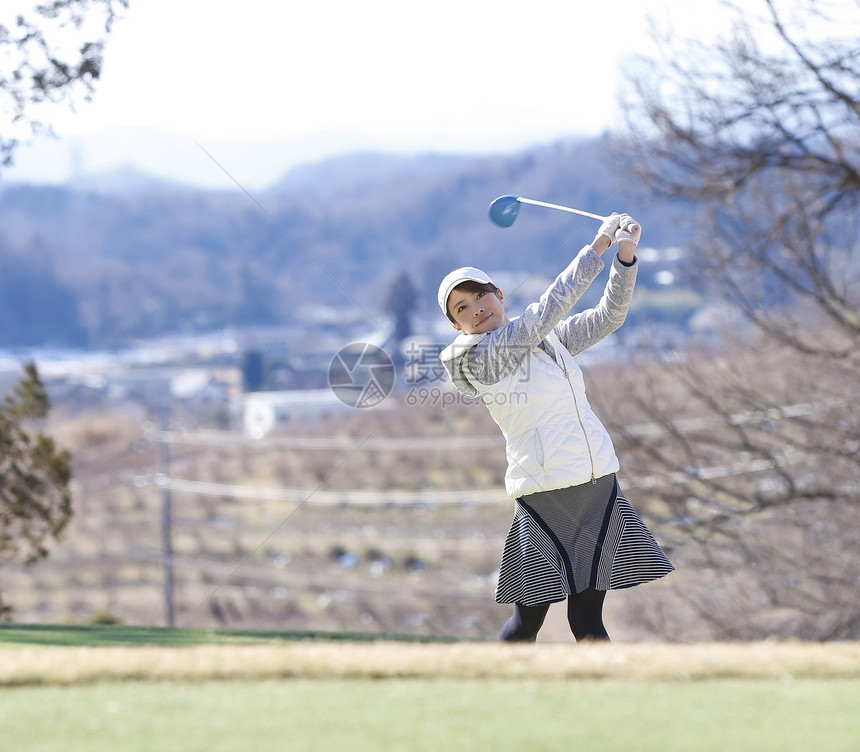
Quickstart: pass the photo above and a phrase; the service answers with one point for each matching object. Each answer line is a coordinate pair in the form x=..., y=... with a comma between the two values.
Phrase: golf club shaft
x=560, y=208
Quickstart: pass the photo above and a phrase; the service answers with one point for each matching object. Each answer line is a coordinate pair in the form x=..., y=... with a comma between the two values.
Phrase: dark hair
x=469, y=286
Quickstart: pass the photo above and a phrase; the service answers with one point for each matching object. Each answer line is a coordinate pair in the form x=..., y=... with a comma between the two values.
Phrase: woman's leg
x=525, y=624
x=585, y=615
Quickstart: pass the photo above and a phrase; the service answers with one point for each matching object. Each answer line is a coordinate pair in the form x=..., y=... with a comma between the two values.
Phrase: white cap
x=452, y=279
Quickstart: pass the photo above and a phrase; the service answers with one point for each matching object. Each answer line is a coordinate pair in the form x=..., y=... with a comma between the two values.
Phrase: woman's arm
x=492, y=356
x=539, y=319
x=501, y=351
x=584, y=329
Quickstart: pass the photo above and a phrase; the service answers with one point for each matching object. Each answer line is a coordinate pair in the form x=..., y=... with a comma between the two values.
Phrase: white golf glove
x=624, y=231
x=610, y=227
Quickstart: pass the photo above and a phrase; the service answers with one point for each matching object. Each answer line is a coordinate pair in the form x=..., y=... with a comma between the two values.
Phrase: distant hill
x=126, y=255
x=346, y=175
x=126, y=180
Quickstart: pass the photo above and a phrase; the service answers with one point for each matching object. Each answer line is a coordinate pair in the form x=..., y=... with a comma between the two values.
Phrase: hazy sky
x=457, y=72
x=448, y=76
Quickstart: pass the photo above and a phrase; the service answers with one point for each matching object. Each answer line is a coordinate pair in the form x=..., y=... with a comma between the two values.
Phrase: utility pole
x=166, y=517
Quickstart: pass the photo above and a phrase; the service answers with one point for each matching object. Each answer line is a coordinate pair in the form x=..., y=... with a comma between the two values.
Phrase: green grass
x=110, y=634
x=419, y=715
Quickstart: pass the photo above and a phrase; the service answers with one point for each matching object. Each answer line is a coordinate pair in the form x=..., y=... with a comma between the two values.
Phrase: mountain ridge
x=142, y=257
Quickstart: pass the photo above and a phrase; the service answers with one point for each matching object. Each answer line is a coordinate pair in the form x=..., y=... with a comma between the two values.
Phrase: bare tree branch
x=51, y=56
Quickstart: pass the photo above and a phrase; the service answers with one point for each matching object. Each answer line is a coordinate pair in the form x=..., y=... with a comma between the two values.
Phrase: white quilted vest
x=553, y=438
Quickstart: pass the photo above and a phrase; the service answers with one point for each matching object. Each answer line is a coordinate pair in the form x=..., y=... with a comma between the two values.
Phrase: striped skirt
x=571, y=539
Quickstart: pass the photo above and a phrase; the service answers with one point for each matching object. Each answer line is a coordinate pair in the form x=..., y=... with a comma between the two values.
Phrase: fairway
x=418, y=715
x=98, y=691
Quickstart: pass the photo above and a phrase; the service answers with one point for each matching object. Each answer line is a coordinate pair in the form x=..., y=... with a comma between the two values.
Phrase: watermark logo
x=423, y=396
x=361, y=375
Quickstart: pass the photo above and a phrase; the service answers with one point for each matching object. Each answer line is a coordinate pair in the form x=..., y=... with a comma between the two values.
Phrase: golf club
x=504, y=209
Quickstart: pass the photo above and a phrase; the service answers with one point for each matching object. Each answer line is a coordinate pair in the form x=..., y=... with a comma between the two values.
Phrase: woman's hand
x=606, y=234
x=628, y=234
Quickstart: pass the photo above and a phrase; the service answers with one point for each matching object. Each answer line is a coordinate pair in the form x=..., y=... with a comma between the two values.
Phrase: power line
x=313, y=496
x=688, y=425
x=434, y=497
x=456, y=443
x=329, y=443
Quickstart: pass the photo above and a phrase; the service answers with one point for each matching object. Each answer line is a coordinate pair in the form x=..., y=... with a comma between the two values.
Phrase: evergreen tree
x=35, y=500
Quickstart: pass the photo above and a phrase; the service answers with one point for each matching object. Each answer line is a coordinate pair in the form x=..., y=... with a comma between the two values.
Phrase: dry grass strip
x=338, y=660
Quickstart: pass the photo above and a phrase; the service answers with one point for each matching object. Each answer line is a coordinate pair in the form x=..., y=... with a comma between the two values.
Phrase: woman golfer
x=574, y=535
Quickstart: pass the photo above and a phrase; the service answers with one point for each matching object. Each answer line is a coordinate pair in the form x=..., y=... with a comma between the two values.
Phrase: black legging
x=584, y=614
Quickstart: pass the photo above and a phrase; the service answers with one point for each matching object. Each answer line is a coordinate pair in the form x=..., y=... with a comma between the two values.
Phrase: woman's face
x=477, y=312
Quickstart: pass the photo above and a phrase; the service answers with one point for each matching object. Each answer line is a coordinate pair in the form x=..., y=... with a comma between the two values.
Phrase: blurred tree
x=35, y=500
x=253, y=370
x=762, y=131
x=401, y=302
x=52, y=54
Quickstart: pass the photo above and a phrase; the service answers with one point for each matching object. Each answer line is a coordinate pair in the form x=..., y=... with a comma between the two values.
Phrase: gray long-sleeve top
x=493, y=355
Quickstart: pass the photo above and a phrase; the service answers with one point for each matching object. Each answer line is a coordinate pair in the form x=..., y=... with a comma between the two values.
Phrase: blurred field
x=269, y=692
x=425, y=569
x=419, y=555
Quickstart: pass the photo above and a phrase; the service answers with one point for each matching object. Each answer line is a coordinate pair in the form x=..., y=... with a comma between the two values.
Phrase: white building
x=262, y=411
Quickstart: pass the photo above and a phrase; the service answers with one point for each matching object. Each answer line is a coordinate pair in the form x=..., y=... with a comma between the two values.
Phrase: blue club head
x=504, y=210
